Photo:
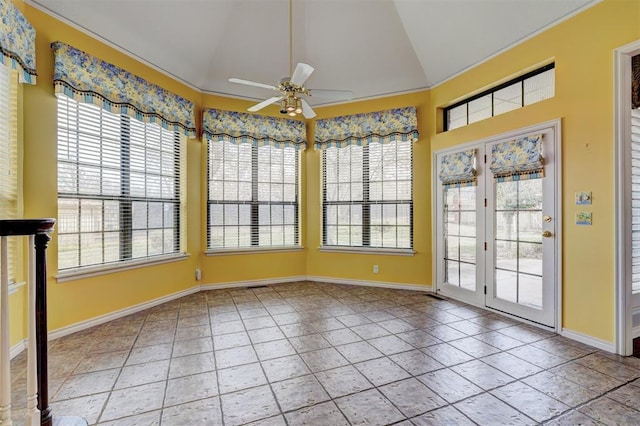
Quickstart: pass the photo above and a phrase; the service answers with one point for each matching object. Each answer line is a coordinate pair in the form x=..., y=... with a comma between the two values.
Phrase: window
x=253, y=195
x=9, y=157
x=635, y=198
x=367, y=198
x=119, y=187
x=459, y=223
x=527, y=89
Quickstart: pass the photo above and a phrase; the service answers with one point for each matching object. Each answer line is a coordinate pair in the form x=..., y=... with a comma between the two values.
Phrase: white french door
x=497, y=241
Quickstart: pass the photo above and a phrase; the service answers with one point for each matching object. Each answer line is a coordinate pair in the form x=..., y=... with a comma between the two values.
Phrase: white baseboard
x=368, y=283
x=589, y=340
x=253, y=283
x=17, y=348
x=82, y=325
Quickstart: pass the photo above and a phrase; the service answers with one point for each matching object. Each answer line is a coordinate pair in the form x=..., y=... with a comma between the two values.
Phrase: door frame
x=622, y=187
x=556, y=126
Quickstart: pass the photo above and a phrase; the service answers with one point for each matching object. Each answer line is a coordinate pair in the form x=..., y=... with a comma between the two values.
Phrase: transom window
x=367, y=197
x=253, y=195
x=527, y=89
x=119, y=187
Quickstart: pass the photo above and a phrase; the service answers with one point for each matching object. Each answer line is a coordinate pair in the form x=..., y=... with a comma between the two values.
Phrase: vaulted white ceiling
x=372, y=47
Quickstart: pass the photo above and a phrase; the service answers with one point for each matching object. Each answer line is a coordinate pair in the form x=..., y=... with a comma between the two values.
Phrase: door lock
x=547, y=234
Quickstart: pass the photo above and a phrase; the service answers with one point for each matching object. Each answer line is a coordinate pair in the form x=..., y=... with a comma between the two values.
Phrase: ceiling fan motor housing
x=289, y=88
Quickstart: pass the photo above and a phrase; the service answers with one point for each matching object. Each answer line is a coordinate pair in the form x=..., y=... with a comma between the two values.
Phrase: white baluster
x=33, y=414
x=5, y=367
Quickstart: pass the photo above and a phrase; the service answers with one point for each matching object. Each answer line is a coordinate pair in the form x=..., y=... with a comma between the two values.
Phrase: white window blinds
x=119, y=187
x=367, y=195
x=635, y=199
x=9, y=157
x=253, y=194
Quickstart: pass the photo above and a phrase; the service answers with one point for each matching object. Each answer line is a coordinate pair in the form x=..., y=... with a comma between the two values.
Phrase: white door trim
x=556, y=125
x=622, y=222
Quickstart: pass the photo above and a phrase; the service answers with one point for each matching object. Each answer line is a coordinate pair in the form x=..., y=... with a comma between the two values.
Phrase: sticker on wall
x=583, y=198
x=583, y=218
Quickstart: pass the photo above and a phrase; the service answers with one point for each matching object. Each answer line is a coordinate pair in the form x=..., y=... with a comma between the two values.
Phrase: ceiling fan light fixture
x=298, y=106
x=291, y=103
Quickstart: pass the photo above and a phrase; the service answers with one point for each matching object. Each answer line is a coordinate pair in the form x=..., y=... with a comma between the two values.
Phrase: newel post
x=41, y=242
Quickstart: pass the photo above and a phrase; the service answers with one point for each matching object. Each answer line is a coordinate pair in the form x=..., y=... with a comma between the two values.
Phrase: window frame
x=125, y=259
x=366, y=204
x=521, y=79
x=254, y=202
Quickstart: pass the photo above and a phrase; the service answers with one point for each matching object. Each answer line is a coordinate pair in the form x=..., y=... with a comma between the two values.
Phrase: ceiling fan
x=292, y=88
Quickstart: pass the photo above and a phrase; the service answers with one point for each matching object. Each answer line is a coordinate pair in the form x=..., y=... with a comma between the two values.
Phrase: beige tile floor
x=324, y=354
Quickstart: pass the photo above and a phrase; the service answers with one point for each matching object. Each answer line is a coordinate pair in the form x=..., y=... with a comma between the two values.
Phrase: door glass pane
x=529, y=286
x=459, y=237
x=518, y=242
x=507, y=285
x=468, y=276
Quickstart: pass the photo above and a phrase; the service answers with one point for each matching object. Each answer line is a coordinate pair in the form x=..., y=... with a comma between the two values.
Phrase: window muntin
x=527, y=89
x=253, y=194
x=9, y=157
x=368, y=196
x=119, y=196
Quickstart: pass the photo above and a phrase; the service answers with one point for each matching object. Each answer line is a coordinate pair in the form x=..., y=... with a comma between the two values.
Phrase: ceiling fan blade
x=301, y=74
x=306, y=110
x=253, y=83
x=343, y=95
x=263, y=104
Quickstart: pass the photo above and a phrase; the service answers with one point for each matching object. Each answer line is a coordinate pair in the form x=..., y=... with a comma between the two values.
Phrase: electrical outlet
x=376, y=269
x=198, y=274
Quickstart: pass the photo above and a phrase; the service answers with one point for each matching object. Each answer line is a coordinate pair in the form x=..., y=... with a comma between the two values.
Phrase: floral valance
x=241, y=127
x=361, y=129
x=517, y=159
x=88, y=79
x=17, y=42
x=458, y=169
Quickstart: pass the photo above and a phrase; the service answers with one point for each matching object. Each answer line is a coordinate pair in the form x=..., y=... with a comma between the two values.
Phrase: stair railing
x=38, y=410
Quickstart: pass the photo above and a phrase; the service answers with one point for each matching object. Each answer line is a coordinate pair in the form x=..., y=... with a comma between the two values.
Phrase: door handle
x=547, y=234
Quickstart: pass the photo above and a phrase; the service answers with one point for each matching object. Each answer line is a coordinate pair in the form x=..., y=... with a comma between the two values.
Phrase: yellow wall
x=229, y=268
x=392, y=268
x=17, y=319
x=75, y=301
x=582, y=48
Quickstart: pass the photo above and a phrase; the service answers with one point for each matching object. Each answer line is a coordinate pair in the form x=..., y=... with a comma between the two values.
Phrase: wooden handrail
x=38, y=231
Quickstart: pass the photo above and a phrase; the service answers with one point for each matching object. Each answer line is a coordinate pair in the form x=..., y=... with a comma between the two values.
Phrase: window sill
x=94, y=271
x=250, y=250
x=365, y=250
